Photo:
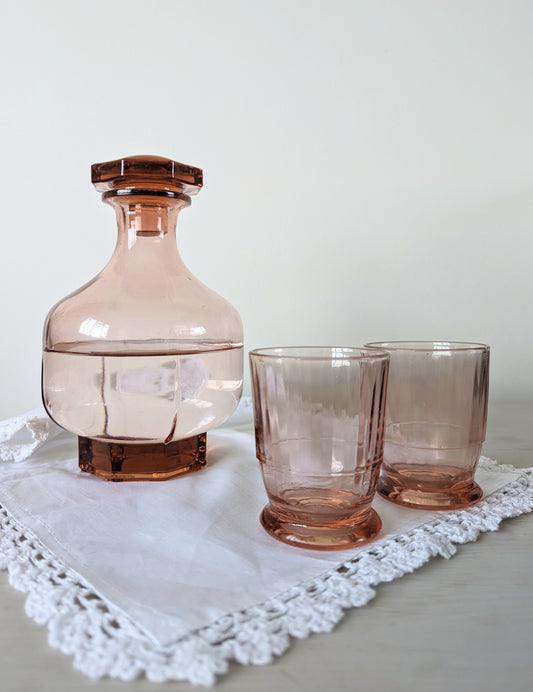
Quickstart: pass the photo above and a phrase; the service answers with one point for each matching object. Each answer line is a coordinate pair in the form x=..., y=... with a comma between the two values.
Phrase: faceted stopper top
x=146, y=173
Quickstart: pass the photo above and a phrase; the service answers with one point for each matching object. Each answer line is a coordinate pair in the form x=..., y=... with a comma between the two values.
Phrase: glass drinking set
x=144, y=360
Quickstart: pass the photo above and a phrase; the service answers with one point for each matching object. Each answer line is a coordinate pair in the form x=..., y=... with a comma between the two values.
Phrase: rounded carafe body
x=144, y=359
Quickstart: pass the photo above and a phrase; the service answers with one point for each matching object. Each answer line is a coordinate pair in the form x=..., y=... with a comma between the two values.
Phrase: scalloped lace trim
x=106, y=642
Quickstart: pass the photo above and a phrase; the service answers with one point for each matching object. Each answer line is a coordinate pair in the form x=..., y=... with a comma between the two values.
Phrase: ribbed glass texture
x=319, y=433
x=435, y=422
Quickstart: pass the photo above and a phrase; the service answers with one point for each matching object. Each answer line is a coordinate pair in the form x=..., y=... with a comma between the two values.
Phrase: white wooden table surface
x=463, y=624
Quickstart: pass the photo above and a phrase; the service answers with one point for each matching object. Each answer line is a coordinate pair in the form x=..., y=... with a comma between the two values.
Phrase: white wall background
x=368, y=164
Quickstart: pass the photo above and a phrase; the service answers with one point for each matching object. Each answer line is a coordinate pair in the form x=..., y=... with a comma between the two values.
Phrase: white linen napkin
x=22, y=435
x=183, y=567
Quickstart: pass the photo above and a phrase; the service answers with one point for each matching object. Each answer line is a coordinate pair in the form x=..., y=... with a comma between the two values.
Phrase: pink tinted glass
x=319, y=439
x=435, y=423
x=144, y=359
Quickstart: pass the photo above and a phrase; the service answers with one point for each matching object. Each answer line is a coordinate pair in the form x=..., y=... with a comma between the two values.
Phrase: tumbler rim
x=428, y=346
x=320, y=353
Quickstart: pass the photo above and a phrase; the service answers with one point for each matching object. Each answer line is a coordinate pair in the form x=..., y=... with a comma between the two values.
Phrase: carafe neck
x=147, y=216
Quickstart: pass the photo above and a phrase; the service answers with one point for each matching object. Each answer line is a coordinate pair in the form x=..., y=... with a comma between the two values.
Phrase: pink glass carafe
x=144, y=359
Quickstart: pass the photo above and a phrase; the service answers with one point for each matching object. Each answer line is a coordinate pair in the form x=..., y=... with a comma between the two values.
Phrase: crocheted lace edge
x=104, y=641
